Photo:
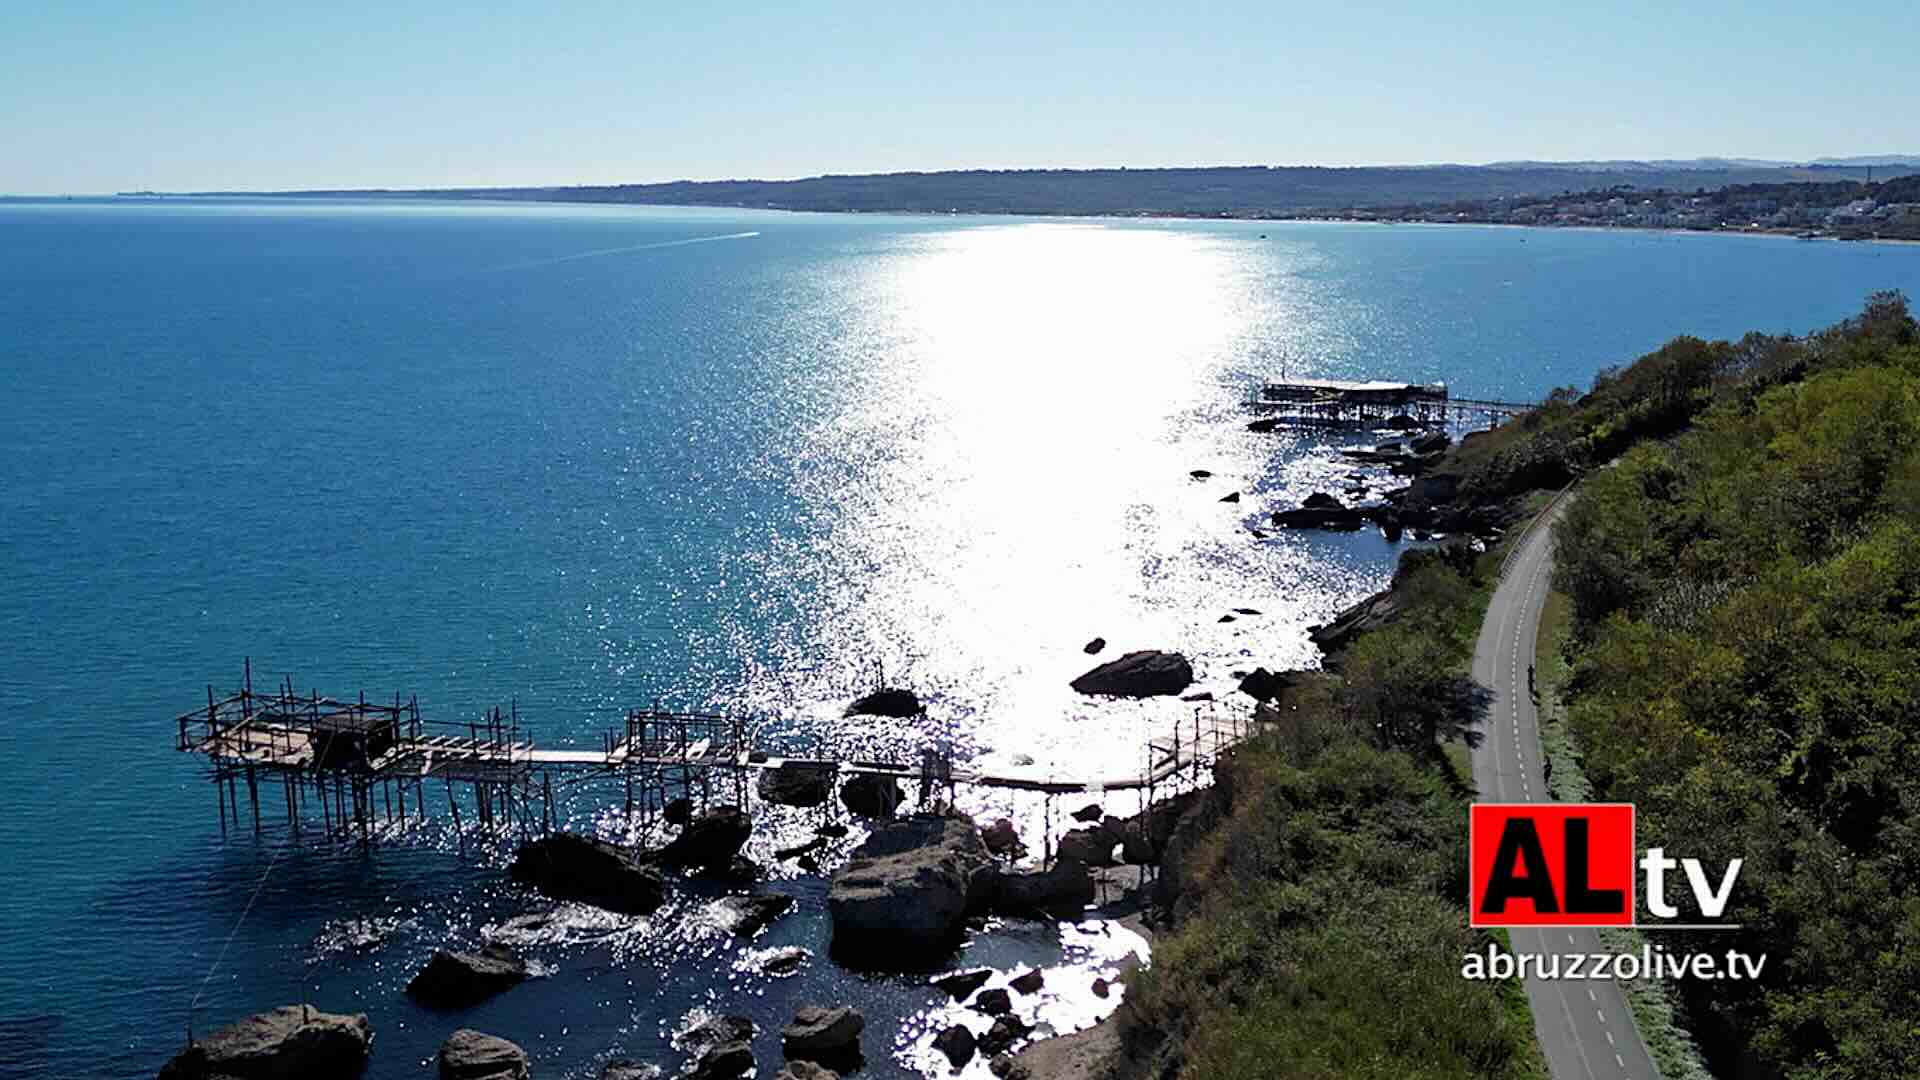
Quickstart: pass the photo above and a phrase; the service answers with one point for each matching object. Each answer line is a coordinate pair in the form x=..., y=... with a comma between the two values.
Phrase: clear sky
x=195, y=95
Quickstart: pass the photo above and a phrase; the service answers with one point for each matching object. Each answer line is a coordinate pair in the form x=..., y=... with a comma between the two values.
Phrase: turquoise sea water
x=580, y=459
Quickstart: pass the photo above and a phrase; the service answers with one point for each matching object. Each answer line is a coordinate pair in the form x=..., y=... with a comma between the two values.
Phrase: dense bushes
x=1322, y=919
x=1747, y=670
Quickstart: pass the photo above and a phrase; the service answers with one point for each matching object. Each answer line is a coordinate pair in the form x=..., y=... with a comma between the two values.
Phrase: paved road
x=1585, y=1027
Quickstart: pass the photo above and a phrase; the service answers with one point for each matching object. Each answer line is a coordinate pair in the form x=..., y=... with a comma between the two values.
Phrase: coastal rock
x=677, y=811
x=1006, y=1031
x=871, y=795
x=1200, y=474
x=1008, y=1067
x=1431, y=443
x=725, y=1061
x=623, y=1069
x=1204, y=695
x=1062, y=891
x=1101, y=988
x=888, y=701
x=797, y=783
x=1089, y=847
x=1089, y=813
x=805, y=1070
x=474, y=1055
x=453, y=980
x=717, y=1031
x=1230, y=497
x=785, y=961
x=1265, y=423
x=820, y=1033
x=1145, y=673
x=293, y=1040
x=1246, y=611
x=1264, y=685
x=710, y=840
x=1093, y=647
x=1369, y=614
x=1320, y=511
x=569, y=866
x=748, y=915
x=961, y=983
x=832, y=830
x=956, y=1043
x=908, y=888
x=994, y=1002
x=1001, y=839
x=1028, y=983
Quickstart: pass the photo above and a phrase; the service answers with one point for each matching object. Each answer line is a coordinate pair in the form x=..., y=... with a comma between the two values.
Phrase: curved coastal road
x=1585, y=1027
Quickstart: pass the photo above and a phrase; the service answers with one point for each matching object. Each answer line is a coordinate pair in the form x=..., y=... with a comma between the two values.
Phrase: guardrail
x=1520, y=541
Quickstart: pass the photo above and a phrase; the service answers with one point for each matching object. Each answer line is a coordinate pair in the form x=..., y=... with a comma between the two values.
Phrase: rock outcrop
x=453, y=980
x=1369, y=614
x=748, y=915
x=956, y=1043
x=293, y=1040
x=569, y=866
x=805, y=1070
x=910, y=885
x=710, y=840
x=623, y=1069
x=822, y=1033
x=871, y=795
x=1145, y=673
x=474, y=1055
x=1089, y=847
x=1264, y=685
x=888, y=701
x=797, y=783
x=961, y=983
x=1062, y=891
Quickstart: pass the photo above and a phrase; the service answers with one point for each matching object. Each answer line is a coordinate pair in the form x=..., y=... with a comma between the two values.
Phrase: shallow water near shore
x=579, y=459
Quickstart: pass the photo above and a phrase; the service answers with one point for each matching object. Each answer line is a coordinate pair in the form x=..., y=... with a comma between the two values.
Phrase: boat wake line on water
x=533, y=263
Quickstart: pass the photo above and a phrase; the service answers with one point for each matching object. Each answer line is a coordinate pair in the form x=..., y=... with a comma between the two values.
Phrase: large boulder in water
x=871, y=795
x=453, y=980
x=1264, y=685
x=1061, y=892
x=1145, y=673
x=907, y=889
x=569, y=866
x=819, y=1033
x=798, y=783
x=475, y=1055
x=888, y=701
x=710, y=840
x=293, y=1040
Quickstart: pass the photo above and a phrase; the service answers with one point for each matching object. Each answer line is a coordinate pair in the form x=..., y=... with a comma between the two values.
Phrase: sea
x=567, y=461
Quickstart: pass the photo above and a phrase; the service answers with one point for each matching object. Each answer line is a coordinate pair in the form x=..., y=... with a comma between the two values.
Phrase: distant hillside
x=1246, y=191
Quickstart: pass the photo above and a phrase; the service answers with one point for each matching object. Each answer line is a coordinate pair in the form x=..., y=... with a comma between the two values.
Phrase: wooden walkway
x=355, y=758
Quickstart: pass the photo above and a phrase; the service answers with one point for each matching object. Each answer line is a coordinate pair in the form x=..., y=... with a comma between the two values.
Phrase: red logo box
x=1550, y=864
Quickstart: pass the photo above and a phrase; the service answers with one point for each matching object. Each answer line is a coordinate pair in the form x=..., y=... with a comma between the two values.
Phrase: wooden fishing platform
x=1351, y=404
x=342, y=754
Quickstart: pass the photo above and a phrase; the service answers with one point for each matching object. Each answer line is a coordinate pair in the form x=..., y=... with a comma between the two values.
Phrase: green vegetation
x=1745, y=635
x=1737, y=623
x=1654, y=1001
x=1322, y=918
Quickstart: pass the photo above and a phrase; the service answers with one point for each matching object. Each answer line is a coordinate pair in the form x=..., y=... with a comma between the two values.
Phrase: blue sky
x=195, y=95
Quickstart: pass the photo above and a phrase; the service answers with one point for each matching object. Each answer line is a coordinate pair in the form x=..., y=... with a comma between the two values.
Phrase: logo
x=1573, y=864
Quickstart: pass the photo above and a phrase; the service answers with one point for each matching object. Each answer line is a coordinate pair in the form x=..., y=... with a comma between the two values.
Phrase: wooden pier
x=1348, y=404
x=359, y=765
